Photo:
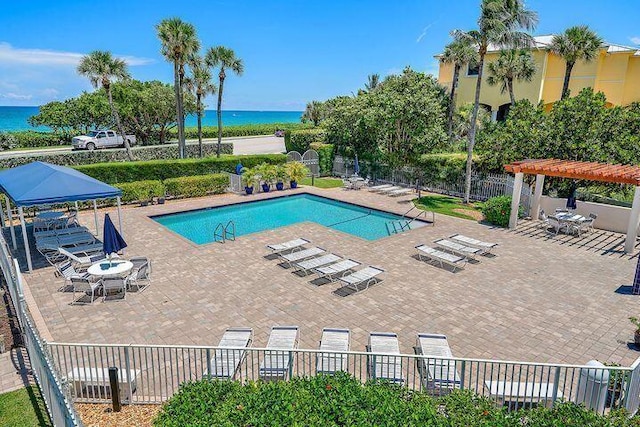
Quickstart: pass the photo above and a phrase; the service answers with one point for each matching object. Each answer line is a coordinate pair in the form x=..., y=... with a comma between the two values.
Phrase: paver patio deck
x=536, y=300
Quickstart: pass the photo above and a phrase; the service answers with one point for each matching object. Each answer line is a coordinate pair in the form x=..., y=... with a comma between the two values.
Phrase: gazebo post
x=634, y=221
x=515, y=200
x=535, y=209
x=1, y=216
x=25, y=239
x=13, y=232
x=95, y=216
x=119, y=216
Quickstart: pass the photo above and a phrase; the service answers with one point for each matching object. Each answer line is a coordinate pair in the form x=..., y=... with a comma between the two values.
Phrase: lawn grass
x=23, y=408
x=447, y=205
x=323, y=182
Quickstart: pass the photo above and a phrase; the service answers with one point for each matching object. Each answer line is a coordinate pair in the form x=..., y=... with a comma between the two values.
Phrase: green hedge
x=445, y=167
x=141, y=190
x=76, y=158
x=162, y=170
x=342, y=400
x=300, y=140
x=241, y=130
x=197, y=186
x=31, y=138
x=325, y=157
x=497, y=210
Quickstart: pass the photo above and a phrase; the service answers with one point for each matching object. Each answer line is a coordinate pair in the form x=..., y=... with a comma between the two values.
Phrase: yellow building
x=616, y=72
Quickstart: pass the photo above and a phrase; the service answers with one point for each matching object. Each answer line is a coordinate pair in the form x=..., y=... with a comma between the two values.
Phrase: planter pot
x=636, y=338
x=161, y=200
x=294, y=184
x=248, y=190
x=279, y=186
x=266, y=188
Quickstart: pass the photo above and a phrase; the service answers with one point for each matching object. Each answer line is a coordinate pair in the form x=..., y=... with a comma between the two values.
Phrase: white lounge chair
x=367, y=275
x=295, y=257
x=307, y=266
x=458, y=248
x=400, y=192
x=470, y=241
x=60, y=232
x=225, y=362
x=336, y=341
x=340, y=267
x=440, y=257
x=437, y=374
x=67, y=240
x=82, y=260
x=380, y=187
x=384, y=367
x=277, y=362
x=291, y=244
x=390, y=189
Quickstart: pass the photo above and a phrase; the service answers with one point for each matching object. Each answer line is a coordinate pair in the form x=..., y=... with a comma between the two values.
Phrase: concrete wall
x=610, y=218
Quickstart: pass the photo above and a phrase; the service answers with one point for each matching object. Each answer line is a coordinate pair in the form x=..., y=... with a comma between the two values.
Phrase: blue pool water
x=198, y=226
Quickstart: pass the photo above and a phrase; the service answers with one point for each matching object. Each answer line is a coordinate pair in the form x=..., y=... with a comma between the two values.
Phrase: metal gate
x=294, y=156
x=311, y=159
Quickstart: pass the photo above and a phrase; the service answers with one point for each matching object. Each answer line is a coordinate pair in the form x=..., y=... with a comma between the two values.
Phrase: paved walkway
x=536, y=300
x=15, y=370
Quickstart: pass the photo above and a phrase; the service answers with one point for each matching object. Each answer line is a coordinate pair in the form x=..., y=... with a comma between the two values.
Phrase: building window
x=473, y=70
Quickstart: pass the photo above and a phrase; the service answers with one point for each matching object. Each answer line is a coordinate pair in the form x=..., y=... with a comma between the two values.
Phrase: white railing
x=152, y=374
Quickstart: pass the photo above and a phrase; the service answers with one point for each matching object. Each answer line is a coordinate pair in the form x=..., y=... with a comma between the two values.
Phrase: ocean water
x=253, y=217
x=15, y=118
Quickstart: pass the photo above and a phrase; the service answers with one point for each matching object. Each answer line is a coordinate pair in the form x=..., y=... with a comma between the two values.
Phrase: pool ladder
x=398, y=226
x=223, y=232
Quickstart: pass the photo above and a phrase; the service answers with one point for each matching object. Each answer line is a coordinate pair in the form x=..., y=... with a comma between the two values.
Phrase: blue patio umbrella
x=635, y=289
x=112, y=241
x=356, y=166
x=239, y=168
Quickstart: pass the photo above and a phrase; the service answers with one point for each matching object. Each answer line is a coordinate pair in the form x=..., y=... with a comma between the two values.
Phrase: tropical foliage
x=199, y=83
x=511, y=65
x=314, y=112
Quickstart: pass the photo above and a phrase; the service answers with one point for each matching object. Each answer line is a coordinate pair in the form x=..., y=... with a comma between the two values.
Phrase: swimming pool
x=253, y=217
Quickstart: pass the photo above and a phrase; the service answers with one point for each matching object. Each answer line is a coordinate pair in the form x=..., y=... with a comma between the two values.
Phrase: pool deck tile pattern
x=538, y=299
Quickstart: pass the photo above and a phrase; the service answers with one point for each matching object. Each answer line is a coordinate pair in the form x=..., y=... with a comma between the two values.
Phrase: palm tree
x=199, y=83
x=179, y=43
x=512, y=64
x=314, y=112
x=578, y=43
x=224, y=58
x=500, y=24
x=373, y=80
x=458, y=53
x=101, y=67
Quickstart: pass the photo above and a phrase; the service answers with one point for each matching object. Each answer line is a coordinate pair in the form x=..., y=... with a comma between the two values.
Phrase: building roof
x=40, y=183
x=593, y=171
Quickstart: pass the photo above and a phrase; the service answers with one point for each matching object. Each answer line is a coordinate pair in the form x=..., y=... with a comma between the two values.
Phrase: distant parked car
x=280, y=133
x=100, y=139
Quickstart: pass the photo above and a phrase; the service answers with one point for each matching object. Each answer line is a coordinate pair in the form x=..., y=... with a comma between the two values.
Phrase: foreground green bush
x=31, y=138
x=300, y=140
x=497, y=210
x=141, y=190
x=325, y=157
x=196, y=186
x=162, y=170
x=342, y=400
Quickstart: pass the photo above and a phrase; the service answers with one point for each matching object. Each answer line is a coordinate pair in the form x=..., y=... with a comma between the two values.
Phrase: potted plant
x=249, y=179
x=296, y=171
x=281, y=175
x=636, y=337
x=617, y=379
x=268, y=175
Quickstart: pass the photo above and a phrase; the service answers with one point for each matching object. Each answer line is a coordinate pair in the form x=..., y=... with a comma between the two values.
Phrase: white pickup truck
x=100, y=139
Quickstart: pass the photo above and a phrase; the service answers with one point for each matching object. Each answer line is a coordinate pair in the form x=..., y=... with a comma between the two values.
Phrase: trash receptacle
x=592, y=386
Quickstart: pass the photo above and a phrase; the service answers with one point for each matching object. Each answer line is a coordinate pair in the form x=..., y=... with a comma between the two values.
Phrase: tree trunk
x=567, y=77
x=116, y=116
x=472, y=130
x=176, y=87
x=220, y=113
x=452, y=101
x=199, y=106
x=511, y=94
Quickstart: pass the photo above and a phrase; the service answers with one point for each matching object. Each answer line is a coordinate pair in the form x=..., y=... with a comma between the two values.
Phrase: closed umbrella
x=239, y=168
x=112, y=241
x=571, y=200
x=356, y=166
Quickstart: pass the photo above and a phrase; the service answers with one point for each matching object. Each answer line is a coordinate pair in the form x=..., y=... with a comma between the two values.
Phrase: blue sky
x=294, y=50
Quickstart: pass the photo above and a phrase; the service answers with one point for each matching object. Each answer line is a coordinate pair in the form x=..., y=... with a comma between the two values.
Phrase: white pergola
x=592, y=171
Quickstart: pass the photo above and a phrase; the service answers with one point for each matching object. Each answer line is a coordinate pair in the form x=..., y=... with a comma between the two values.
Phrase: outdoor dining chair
x=111, y=284
x=86, y=286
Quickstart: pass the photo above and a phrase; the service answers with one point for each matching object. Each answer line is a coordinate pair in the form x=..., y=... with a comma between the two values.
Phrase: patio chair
x=544, y=220
x=390, y=189
x=67, y=270
x=380, y=187
x=387, y=368
x=400, y=192
x=81, y=261
x=225, y=362
x=339, y=268
x=486, y=247
x=437, y=374
x=366, y=276
x=43, y=234
x=436, y=256
x=86, y=286
x=335, y=341
x=307, y=266
x=294, y=257
x=556, y=225
x=346, y=184
x=111, y=284
x=277, y=361
x=458, y=248
x=140, y=273
x=290, y=245
x=562, y=210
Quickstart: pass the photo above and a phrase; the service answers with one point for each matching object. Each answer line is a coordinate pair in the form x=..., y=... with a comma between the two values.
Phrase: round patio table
x=115, y=268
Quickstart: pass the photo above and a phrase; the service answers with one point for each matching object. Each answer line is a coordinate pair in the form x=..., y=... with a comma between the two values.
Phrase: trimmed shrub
x=299, y=140
x=141, y=190
x=112, y=173
x=7, y=141
x=31, y=138
x=75, y=158
x=497, y=210
x=325, y=157
x=197, y=186
x=240, y=130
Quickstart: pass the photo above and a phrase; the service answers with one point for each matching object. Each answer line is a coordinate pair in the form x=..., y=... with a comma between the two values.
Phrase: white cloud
x=15, y=96
x=635, y=40
x=13, y=55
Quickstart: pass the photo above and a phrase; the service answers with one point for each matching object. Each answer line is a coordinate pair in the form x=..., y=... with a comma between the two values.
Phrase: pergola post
x=515, y=200
x=535, y=209
x=25, y=239
x=119, y=217
x=95, y=216
x=13, y=232
x=634, y=221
